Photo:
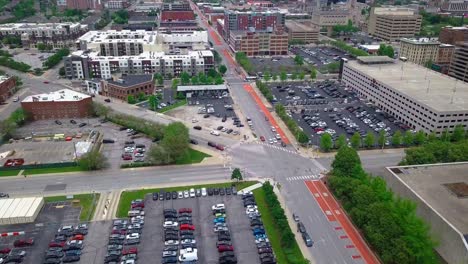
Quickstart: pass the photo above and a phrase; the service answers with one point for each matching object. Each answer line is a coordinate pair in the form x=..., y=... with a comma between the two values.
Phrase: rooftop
x=184, y=88
x=33, y=26
x=110, y=36
x=131, y=80
x=144, y=56
x=177, y=15
x=65, y=95
x=432, y=183
x=437, y=91
x=4, y=78
x=301, y=26
x=421, y=41
x=394, y=11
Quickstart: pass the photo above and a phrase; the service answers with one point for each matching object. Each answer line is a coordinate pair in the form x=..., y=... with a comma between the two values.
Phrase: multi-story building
x=259, y=42
x=176, y=6
x=452, y=35
x=117, y=4
x=177, y=21
x=88, y=65
x=416, y=96
x=59, y=104
x=264, y=20
x=122, y=87
x=80, y=4
x=419, y=51
x=444, y=57
x=455, y=7
x=302, y=31
x=130, y=43
x=58, y=35
x=459, y=66
x=393, y=23
x=7, y=87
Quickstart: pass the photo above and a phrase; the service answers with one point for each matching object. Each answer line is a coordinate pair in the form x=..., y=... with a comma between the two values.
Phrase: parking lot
x=42, y=231
x=328, y=107
x=30, y=57
x=319, y=56
x=39, y=152
x=152, y=243
x=275, y=65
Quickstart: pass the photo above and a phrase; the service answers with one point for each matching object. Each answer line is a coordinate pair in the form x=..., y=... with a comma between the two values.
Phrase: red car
x=223, y=248
x=46, y=82
x=220, y=147
x=56, y=244
x=262, y=138
x=127, y=156
x=23, y=242
x=187, y=227
x=318, y=129
x=185, y=210
x=5, y=250
x=119, y=231
x=138, y=205
x=77, y=237
x=132, y=250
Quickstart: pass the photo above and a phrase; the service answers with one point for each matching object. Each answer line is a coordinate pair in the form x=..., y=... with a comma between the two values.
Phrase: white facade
x=418, y=97
x=20, y=210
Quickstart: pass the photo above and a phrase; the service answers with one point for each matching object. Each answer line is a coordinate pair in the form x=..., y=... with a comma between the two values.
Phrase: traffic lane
x=85, y=182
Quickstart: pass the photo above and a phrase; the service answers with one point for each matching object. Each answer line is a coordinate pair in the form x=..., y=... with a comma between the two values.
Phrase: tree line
x=244, y=61
x=437, y=151
x=297, y=131
x=56, y=58
x=388, y=222
x=8, y=126
x=346, y=48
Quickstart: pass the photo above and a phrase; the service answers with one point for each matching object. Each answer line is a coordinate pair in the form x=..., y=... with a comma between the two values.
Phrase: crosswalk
x=276, y=147
x=303, y=178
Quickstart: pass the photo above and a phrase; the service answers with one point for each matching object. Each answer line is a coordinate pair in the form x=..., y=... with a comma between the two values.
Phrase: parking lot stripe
x=348, y=227
x=320, y=200
x=267, y=113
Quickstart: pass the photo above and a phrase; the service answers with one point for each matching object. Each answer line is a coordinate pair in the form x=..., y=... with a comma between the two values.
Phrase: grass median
x=88, y=203
x=192, y=156
x=40, y=171
x=127, y=196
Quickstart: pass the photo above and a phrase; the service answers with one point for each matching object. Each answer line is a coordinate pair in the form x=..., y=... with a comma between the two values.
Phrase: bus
x=250, y=78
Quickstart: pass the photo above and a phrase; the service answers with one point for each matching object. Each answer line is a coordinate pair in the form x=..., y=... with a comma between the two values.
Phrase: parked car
x=23, y=242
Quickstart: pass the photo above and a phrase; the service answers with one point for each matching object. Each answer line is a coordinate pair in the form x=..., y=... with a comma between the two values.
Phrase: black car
x=308, y=241
x=187, y=237
x=73, y=122
x=228, y=260
x=171, y=237
x=47, y=261
x=228, y=191
x=174, y=195
x=168, y=196
x=155, y=196
x=13, y=259
x=82, y=125
x=216, y=191
x=54, y=254
x=186, y=232
x=197, y=127
x=226, y=254
x=224, y=238
x=221, y=191
x=4, y=195
x=58, y=122
x=110, y=258
x=69, y=259
x=224, y=242
x=301, y=227
x=193, y=141
x=210, y=192
x=212, y=144
x=167, y=260
x=107, y=100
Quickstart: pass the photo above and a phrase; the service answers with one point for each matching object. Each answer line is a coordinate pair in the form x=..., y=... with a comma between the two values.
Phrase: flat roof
x=298, y=26
x=187, y=88
x=64, y=95
x=414, y=80
x=421, y=41
x=131, y=80
x=428, y=182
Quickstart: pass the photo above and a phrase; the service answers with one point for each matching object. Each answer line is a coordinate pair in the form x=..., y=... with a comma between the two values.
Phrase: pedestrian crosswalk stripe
x=302, y=177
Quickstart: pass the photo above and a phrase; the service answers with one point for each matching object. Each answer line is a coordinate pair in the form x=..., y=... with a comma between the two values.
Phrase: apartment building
x=88, y=65
x=58, y=35
x=419, y=51
x=176, y=6
x=117, y=4
x=131, y=43
x=393, y=23
x=459, y=66
x=244, y=20
x=455, y=7
x=418, y=97
x=7, y=87
x=255, y=43
x=452, y=35
x=302, y=31
x=59, y=104
x=80, y=4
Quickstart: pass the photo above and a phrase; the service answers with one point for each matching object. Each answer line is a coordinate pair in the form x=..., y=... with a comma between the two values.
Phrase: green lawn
x=127, y=196
x=172, y=106
x=272, y=230
x=192, y=156
x=40, y=171
x=86, y=202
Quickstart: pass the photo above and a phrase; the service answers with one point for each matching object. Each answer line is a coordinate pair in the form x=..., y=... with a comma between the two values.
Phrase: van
x=133, y=213
x=188, y=257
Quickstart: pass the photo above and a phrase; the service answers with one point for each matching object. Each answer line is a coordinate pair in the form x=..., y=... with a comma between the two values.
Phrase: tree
x=301, y=75
x=283, y=76
x=458, y=133
x=56, y=58
x=212, y=73
x=184, y=78
x=369, y=140
x=294, y=76
x=158, y=155
x=302, y=137
x=267, y=76
x=62, y=71
x=356, y=140
x=408, y=138
x=159, y=78
x=386, y=50
x=153, y=102
x=218, y=80
x=141, y=96
x=101, y=110
x=8, y=128
x=195, y=80
x=326, y=142
x=396, y=138
x=131, y=99
x=93, y=160
x=41, y=46
x=236, y=174
x=382, y=138
x=222, y=69
x=299, y=60
x=175, y=83
x=346, y=159
x=419, y=138
x=275, y=77
x=313, y=73
x=340, y=142
x=176, y=140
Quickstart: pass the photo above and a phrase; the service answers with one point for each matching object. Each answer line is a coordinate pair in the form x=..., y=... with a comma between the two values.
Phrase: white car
x=180, y=195
x=260, y=240
x=171, y=243
x=65, y=228
x=251, y=207
x=218, y=207
x=194, y=120
x=170, y=224
x=220, y=228
x=273, y=129
x=203, y=192
x=251, y=211
x=75, y=242
x=138, y=154
x=186, y=194
x=192, y=192
x=133, y=236
x=188, y=241
x=188, y=250
x=214, y=132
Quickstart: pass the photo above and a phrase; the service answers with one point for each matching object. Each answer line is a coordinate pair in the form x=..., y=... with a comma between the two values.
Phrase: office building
x=88, y=65
x=263, y=20
x=444, y=58
x=59, y=104
x=258, y=43
x=58, y=35
x=455, y=7
x=122, y=87
x=440, y=192
x=393, y=23
x=302, y=31
x=419, y=51
x=176, y=6
x=416, y=96
x=7, y=87
x=459, y=64
x=117, y=4
x=452, y=35
x=130, y=43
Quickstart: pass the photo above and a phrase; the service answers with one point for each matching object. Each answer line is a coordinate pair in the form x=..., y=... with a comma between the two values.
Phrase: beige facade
x=419, y=51
x=328, y=18
x=302, y=31
x=393, y=23
x=459, y=66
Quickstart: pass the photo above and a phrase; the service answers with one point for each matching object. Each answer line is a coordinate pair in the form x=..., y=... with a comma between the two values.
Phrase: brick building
x=177, y=21
x=452, y=35
x=265, y=20
x=128, y=85
x=56, y=105
x=303, y=31
x=259, y=42
x=7, y=87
